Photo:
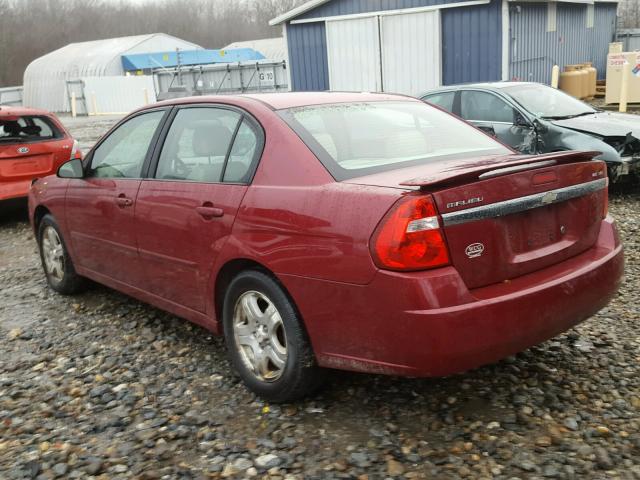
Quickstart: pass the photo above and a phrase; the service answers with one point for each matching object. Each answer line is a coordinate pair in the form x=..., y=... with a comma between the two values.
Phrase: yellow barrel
x=571, y=81
x=592, y=78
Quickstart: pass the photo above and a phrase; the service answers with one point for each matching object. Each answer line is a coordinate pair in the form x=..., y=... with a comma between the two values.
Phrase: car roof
x=17, y=111
x=278, y=101
x=496, y=86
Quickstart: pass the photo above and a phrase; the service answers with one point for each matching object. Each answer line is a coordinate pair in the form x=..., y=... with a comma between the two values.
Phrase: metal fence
x=11, y=96
x=229, y=78
x=630, y=39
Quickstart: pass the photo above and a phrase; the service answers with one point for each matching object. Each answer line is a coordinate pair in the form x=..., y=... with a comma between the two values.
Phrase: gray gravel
x=102, y=386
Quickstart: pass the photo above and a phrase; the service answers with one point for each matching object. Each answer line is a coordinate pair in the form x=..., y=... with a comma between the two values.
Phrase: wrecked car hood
x=605, y=124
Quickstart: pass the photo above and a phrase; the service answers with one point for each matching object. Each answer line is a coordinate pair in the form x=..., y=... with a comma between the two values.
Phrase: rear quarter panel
x=295, y=219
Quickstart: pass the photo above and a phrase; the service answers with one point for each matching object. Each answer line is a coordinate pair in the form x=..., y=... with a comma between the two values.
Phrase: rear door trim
x=521, y=204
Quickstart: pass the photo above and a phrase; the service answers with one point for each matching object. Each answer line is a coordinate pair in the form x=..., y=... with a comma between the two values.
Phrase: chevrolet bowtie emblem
x=549, y=197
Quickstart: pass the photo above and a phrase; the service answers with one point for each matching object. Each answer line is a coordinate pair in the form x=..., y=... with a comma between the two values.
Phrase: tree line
x=629, y=14
x=32, y=28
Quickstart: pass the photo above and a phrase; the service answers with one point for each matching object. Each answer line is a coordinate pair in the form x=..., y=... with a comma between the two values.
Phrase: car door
x=186, y=209
x=100, y=207
x=493, y=114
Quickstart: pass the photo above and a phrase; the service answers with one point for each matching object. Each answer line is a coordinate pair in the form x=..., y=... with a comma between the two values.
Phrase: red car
x=33, y=143
x=366, y=232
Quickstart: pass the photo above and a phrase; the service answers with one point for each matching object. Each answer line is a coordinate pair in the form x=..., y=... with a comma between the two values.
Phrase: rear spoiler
x=460, y=172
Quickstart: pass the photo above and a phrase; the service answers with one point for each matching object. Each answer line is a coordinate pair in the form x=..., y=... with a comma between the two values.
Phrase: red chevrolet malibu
x=33, y=143
x=366, y=232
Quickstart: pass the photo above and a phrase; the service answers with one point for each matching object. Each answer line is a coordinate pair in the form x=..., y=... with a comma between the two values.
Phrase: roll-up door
x=410, y=52
x=353, y=50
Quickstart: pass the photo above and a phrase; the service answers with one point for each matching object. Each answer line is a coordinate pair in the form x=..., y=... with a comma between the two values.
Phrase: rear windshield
x=356, y=139
x=27, y=128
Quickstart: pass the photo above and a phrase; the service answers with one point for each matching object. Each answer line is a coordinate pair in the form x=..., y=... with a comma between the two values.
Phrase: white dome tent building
x=45, y=78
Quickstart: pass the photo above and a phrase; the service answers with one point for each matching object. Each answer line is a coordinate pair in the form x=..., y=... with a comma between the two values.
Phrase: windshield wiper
x=565, y=117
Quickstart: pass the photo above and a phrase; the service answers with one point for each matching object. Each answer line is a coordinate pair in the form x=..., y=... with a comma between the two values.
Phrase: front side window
x=443, y=100
x=355, y=139
x=27, y=128
x=485, y=107
x=122, y=153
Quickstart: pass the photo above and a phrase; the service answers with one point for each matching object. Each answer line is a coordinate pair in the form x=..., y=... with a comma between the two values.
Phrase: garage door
x=353, y=51
x=391, y=53
x=410, y=52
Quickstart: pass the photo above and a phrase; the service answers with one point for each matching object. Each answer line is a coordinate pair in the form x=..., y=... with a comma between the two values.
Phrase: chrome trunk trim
x=522, y=204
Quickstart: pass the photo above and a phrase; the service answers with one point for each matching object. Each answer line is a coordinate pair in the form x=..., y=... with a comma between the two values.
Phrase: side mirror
x=71, y=169
x=540, y=127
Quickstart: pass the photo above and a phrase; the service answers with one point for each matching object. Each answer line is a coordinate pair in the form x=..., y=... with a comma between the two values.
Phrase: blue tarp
x=144, y=61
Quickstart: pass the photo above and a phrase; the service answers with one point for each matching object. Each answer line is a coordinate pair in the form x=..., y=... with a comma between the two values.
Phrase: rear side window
x=356, y=139
x=443, y=100
x=208, y=144
x=28, y=128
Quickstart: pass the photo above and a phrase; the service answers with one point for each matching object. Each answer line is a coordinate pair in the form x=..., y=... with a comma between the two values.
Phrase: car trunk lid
x=514, y=220
x=18, y=161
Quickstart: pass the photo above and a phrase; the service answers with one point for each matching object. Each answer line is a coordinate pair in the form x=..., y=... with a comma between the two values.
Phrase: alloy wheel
x=259, y=336
x=53, y=253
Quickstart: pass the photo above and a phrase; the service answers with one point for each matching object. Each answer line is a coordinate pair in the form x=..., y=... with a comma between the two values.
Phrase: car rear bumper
x=9, y=190
x=429, y=324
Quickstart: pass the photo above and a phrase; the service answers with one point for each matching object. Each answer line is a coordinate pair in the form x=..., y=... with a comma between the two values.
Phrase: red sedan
x=33, y=143
x=366, y=232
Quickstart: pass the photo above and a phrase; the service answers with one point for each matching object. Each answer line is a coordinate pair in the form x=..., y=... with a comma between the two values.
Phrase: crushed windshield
x=547, y=102
x=356, y=139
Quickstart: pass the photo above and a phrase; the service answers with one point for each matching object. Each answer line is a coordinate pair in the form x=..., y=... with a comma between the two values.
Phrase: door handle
x=208, y=211
x=123, y=201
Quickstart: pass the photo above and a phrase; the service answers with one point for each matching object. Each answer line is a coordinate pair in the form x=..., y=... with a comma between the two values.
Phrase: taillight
x=409, y=237
x=75, y=151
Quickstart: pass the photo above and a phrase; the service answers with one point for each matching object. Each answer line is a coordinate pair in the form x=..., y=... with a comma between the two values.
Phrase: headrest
x=32, y=130
x=210, y=139
x=12, y=128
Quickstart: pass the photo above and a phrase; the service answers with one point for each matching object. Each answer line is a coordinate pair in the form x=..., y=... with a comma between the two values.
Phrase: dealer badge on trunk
x=474, y=250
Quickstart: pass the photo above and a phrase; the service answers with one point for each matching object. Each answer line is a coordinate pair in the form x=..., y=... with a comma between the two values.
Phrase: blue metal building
x=409, y=46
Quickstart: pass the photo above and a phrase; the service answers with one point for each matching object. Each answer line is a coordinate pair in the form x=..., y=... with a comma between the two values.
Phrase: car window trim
x=88, y=159
x=230, y=148
x=254, y=124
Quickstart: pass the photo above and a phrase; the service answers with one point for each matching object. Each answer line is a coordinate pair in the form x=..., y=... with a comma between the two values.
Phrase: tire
x=288, y=370
x=56, y=263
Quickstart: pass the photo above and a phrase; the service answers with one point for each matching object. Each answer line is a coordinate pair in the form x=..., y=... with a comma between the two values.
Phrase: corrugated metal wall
x=307, y=44
x=472, y=44
x=534, y=51
x=471, y=40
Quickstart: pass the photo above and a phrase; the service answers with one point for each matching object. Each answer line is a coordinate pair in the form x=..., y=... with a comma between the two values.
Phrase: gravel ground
x=102, y=386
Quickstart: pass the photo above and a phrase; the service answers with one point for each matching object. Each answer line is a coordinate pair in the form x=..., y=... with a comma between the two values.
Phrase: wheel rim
x=52, y=253
x=260, y=336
